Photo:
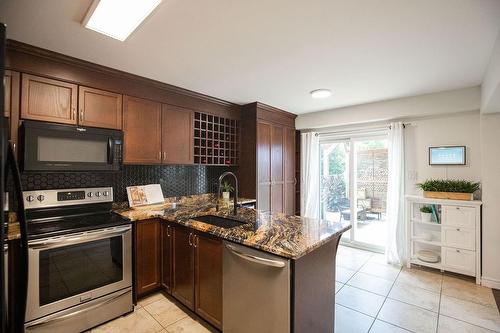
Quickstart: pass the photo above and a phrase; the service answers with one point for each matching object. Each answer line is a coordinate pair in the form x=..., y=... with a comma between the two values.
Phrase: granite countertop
x=287, y=236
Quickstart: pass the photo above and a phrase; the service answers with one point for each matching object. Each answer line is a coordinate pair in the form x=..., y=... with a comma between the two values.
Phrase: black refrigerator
x=14, y=255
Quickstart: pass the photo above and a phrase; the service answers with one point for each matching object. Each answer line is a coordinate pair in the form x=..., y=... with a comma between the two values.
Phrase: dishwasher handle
x=255, y=259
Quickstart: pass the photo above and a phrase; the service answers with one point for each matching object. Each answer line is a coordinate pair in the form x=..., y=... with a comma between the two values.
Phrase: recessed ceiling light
x=321, y=93
x=118, y=18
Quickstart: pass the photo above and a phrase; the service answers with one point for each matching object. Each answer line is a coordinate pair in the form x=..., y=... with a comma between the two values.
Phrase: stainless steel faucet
x=228, y=173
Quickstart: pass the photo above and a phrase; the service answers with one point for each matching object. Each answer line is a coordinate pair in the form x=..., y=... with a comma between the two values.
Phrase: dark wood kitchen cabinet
x=197, y=273
x=147, y=256
x=177, y=135
x=142, y=131
x=267, y=170
x=166, y=256
x=48, y=100
x=208, y=278
x=183, y=266
x=99, y=108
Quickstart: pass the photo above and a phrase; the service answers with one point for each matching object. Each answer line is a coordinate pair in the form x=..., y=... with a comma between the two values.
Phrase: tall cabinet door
x=99, y=108
x=11, y=103
x=142, y=128
x=264, y=166
x=289, y=170
x=147, y=256
x=48, y=100
x=277, y=175
x=183, y=266
x=177, y=135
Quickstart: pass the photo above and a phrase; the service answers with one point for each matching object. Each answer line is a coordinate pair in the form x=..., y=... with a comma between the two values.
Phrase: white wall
x=468, y=99
x=458, y=129
x=490, y=88
x=490, y=146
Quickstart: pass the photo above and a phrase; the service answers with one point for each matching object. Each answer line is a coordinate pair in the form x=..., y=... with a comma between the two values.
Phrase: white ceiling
x=276, y=51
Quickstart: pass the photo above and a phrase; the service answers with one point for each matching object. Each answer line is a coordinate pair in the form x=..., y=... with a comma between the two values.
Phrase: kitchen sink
x=218, y=221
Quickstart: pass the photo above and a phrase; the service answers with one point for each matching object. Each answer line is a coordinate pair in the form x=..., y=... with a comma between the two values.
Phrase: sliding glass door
x=353, y=187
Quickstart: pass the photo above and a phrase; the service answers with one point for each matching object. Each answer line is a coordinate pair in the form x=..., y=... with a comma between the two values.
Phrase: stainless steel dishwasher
x=256, y=291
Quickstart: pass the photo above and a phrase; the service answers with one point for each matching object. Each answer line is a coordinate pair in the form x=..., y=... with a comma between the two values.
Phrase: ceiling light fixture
x=321, y=93
x=118, y=18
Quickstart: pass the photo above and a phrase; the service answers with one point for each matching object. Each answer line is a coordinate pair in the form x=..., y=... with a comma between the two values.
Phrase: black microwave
x=54, y=147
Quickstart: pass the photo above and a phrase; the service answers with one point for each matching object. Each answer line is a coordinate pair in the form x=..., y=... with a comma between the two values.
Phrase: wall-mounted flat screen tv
x=447, y=155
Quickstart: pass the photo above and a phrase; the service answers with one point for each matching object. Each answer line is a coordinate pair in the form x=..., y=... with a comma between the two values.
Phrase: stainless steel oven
x=55, y=147
x=78, y=271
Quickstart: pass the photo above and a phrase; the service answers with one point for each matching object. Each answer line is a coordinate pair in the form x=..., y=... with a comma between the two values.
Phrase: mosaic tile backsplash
x=175, y=180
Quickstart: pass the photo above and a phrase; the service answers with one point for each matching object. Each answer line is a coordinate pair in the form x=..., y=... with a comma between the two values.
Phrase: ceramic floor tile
x=140, y=321
x=422, y=279
x=165, y=312
x=338, y=286
x=383, y=327
x=415, y=296
x=360, y=300
x=371, y=283
x=187, y=325
x=408, y=316
x=473, y=313
x=467, y=290
x=451, y=325
x=150, y=299
x=350, y=262
x=350, y=321
x=343, y=274
x=387, y=272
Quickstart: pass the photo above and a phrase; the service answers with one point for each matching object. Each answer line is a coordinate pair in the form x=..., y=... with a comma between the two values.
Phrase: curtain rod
x=350, y=130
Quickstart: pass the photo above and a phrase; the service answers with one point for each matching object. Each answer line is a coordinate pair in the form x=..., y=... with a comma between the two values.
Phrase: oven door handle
x=50, y=243
x=72, y=314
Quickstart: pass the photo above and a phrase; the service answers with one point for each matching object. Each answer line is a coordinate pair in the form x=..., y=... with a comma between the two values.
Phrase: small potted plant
x=227, y=188
x=426, y=213
x=449, y=189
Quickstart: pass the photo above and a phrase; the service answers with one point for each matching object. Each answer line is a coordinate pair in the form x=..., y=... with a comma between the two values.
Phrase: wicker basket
x=449, y=195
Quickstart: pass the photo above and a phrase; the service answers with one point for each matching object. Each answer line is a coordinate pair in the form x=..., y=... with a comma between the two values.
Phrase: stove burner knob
x=105, y=193
x=90, y=194
x=41, y=197
x=98, y=194
x=30, y=198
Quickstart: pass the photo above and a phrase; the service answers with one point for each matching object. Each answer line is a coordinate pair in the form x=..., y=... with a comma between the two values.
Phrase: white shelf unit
x=456, y=239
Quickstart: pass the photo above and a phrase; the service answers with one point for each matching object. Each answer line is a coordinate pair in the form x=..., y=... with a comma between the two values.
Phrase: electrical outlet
x=412, y=175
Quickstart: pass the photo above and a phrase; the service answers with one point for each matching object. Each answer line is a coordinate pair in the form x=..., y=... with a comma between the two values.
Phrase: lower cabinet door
x=166, y=256
x=183, y=266
x=147, y=256
x=208, y=278
x=459, y=261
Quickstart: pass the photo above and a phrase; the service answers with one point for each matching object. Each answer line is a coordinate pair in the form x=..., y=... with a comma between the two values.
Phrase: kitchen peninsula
x=184, y=257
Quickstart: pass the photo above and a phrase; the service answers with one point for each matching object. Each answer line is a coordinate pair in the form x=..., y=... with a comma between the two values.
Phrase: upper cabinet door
x=177, y=135
x=99, y=108
x=48, y=100
x=289, y=169
x=142, y=130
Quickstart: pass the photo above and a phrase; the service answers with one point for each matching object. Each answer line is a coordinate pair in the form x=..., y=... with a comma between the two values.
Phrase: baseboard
x=490, y=283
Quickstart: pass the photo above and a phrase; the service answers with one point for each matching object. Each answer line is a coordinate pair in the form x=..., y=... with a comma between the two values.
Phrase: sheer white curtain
x=309, y=175
x=396, y=239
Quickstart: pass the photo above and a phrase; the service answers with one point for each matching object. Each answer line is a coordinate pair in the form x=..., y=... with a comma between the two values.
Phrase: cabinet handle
x=189, y=239
x=159, y=155
x=81, y=115
x=164, y=156
x=168, y=231
x=74, y=113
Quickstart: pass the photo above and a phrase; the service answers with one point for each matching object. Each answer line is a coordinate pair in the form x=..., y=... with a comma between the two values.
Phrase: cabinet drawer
x=462, y=238
x=457, y=216
x=460, y=261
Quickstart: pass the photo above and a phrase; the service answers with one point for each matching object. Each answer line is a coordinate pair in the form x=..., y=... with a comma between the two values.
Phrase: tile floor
x=371, y=296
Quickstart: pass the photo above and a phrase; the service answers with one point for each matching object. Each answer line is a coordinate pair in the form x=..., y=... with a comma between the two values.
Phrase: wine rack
x=215, y=140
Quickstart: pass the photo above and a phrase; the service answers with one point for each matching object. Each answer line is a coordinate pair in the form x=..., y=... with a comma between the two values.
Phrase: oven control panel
x=66, y=197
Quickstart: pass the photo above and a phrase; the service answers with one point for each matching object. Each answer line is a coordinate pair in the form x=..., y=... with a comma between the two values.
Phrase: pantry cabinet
x=267, y=170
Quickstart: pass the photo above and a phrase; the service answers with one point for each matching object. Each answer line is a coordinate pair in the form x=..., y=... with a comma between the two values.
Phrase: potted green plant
x=449, y=189
x=227, y=188
x=426, y=213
